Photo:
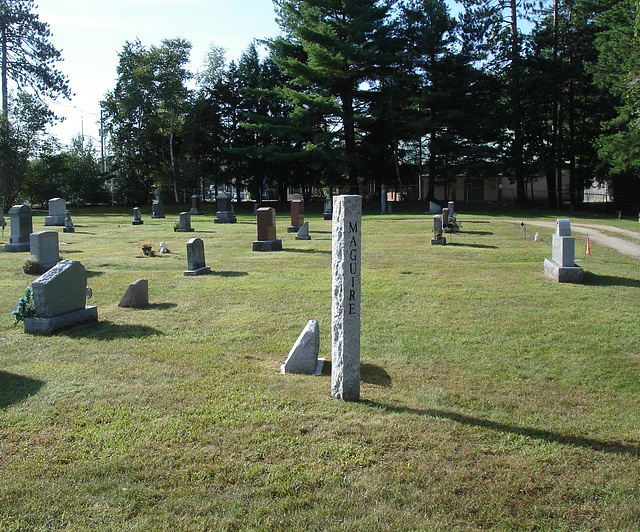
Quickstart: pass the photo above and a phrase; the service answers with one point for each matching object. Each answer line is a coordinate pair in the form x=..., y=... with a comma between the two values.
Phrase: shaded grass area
x=492, y=397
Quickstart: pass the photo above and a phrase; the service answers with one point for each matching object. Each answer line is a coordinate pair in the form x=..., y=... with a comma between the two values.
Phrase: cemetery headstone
x=57, y=209
x=163, y=248
x=561, y=267
x=327, y=213
x=383, y=200
x=438, y=238
x=137, y=217
x=21, y=228
x=345, y=304
x=196, y=264
x=195, y=206
x=266, y=224
x=224, y=214
x=60, y=297
x=68, y=223
x=445, y=219
x=297, y=215
x=452, y=211
x=157, y=208
x=44, y=249
x=303, y=232
x=137, y=295
x=185, y=223
x=433, y=208
x=303, y=357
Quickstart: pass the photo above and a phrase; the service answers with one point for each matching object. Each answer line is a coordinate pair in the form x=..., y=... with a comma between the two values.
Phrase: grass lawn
x=492, y=398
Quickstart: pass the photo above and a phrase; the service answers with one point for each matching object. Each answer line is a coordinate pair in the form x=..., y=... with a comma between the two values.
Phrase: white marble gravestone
x=57, y=210
x=438, y=238
x=303, y=357
x=44, y=249
x=196, y=264
x=345, y=303
x=60, y=297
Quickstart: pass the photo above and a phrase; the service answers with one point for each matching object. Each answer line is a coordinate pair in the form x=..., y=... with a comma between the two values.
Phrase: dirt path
x=595, y=232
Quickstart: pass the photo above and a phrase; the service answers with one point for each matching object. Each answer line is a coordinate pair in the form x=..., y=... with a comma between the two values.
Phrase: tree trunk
x=350, y=138
x=517, y=147
x=5, y=88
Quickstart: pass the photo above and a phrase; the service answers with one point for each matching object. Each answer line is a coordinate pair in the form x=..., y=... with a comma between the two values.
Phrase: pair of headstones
x=345, y=307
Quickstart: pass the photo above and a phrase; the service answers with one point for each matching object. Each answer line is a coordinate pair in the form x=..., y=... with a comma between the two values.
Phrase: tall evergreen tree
x=342, y=50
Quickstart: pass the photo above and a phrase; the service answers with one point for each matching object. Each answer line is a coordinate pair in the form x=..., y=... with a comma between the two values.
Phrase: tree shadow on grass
x=293, y=250
x=15, y=388
x=369, y=373
x=538, y=434
x=107, y=331
x=478, y=246
x=230, y=274
x=483, y=233
x=592, y=279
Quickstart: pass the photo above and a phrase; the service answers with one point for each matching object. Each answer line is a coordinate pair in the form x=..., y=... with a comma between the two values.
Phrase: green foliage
x=145, y=116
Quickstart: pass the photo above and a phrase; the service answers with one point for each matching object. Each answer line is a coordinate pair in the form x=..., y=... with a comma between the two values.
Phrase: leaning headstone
x=224, y=214
x=60, y=297
x=345, y=304
x=68, y=223
x=157, y=208
x=303, y=232
x=297, y=215
x=438, y=239
x=327, y=213
x=57, y=209
x=195, y=258
x=137, y=295
x=433, y=208
x=44, y=249
x=303, y=357
x=266, y=223
x=137, y=217
x=195, y=206
x=185, y=223
x=21, y=228
x=561, y=267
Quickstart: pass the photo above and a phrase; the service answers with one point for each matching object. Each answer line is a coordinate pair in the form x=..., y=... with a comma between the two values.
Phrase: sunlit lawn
x=491, y=396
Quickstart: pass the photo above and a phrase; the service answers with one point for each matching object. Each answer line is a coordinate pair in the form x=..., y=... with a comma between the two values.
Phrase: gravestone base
x=17, y=247
x=327, y=216
x=69, y=230
x=47, y=326
x=199, y=271
x=196, y=212
x=563, y=274
x=267, y=245
x=225, y=217
x=54, y=220
x=178, y=230
x=137, y=222
x=293, y=228
x=439, y=241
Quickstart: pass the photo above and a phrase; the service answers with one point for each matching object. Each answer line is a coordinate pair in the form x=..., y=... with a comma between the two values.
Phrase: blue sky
x=91, y=34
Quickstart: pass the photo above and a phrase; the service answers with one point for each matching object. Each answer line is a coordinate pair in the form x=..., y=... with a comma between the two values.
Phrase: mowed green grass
x=492, y=398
